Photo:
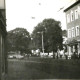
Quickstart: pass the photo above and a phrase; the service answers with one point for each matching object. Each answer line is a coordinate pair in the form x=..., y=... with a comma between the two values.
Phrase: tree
x=64, y=33
x=52, y=35
x=18, y=40
x=37, y=37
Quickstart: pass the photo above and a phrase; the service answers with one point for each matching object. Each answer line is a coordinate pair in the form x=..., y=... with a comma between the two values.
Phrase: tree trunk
x=48, y=53
x=57, y=55
x=53, y=55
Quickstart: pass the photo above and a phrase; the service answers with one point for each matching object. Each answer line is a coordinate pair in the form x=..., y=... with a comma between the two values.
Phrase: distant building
x=73, y=27
x=3, y=55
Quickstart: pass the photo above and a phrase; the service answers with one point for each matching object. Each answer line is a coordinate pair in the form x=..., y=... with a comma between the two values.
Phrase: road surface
x=18, y=70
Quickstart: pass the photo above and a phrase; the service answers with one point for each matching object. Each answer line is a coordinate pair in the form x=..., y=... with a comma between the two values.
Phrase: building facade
x=3, y=53
x=73, y=28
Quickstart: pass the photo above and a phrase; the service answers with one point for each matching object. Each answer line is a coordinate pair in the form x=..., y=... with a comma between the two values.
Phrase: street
x=42, y=68
x=18, y=70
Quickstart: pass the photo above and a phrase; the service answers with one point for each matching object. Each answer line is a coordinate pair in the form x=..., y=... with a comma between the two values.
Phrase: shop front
x=73, y=46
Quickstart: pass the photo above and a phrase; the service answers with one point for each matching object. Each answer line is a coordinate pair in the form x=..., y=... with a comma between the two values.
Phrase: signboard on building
x=2, y=4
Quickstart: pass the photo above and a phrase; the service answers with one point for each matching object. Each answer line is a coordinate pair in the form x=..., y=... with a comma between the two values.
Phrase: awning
x=73, y=42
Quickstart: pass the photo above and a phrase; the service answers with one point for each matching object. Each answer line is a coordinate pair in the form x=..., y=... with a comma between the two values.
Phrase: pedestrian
x=27, y=56
x=66, y=55
x=79, y=55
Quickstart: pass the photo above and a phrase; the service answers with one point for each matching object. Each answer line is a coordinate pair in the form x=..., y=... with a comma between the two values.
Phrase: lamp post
x=42, y=41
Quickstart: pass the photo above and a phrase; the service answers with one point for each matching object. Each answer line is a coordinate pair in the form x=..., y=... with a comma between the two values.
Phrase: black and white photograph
x=39, y=39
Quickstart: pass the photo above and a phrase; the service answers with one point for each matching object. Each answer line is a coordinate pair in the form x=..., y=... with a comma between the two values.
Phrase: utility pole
x=42, y=42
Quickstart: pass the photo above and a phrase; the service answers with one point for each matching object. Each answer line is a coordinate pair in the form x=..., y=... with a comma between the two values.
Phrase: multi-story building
x=73, y=27
x=3, y=55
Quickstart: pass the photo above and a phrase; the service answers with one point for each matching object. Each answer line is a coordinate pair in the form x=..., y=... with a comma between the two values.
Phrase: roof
x=72, y=5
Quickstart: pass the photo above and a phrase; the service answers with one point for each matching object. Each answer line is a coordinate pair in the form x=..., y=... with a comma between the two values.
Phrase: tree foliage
x=18, y=40
x=52, y=33
x=64, y=33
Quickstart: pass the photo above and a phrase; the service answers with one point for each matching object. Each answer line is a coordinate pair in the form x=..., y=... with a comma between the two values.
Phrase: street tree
x=64, y=33
x=18, y=40
x=52, y=33
x=37, y=36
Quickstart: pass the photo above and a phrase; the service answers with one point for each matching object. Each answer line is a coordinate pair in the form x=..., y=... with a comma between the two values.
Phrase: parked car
x=20, y=57
x=10, y=56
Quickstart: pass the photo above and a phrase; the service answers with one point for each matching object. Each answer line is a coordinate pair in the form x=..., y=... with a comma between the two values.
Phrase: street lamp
x=42, y=41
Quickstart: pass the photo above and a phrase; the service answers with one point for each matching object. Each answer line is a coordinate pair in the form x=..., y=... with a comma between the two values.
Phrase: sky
x=28, y=13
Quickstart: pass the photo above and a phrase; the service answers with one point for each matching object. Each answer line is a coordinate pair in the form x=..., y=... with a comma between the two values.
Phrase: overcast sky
x=28, y=13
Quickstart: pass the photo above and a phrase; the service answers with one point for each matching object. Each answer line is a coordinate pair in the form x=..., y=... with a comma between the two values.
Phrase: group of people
x=75, y=55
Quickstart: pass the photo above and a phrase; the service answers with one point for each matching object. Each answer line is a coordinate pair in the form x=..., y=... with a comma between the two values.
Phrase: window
x=78, y=11
x=69, y=33
x=72, y=16
x=68, y=18
x=73, y=32
x=77, y=30
x=76, y=14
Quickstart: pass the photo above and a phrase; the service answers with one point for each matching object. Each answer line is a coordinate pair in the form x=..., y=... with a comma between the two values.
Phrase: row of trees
x=19, y=39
